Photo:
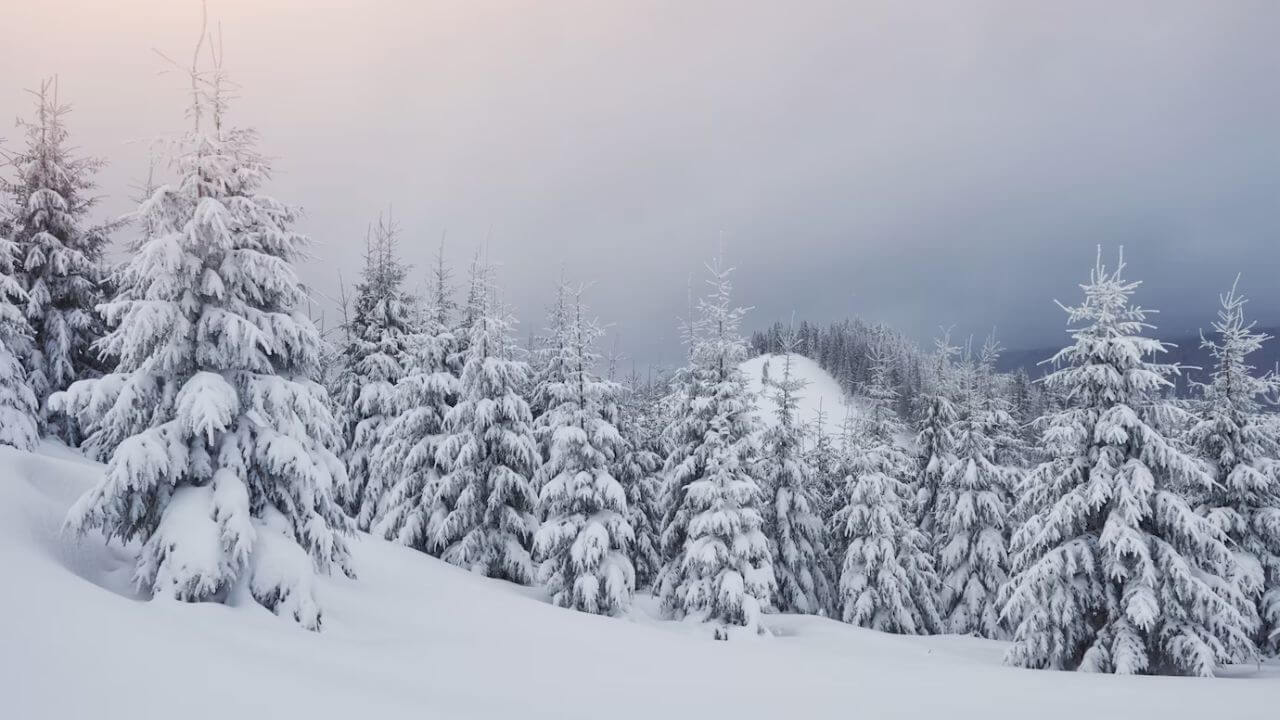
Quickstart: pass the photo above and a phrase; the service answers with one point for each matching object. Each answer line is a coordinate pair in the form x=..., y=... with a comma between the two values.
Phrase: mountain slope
x=413, y=637
x=820, y=391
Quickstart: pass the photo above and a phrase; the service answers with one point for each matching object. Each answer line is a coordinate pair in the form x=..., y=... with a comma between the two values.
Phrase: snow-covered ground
x=820, y=391
x=415, y=638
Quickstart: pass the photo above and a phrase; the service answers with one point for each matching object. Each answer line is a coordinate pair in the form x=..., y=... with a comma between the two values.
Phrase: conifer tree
x=1008, y=438
x=1114, y=571
x=488, y=453
x=1025, y=397
x=583, y=546
x=221, y=467
x=850, y=447
x=934, y=441
x=797, y=537
x=59, y=258
x=550, y=357
x=381, y=326
x=718, y=567
x=422, y=398
x=639, y=469
x=1241, y=449
x=887, y=578
x=18, y=415
x=824, y=457
x=971, y=511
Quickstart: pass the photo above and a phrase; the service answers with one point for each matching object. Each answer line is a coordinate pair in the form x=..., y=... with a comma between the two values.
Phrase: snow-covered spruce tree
x=423, y=397
x=477, y=271
x=1241, y=449
x=1008, y=438
x=1026, y=403
x=849, y=449
x=58, y=257
x=970, y=539
x=1114, y=571
x=381, y=326
x=332, y=365
x=584, y=543
x=18, y=415
x=797, y=537
x=223, y=472
x=87, y=402
x=550, y=359
x=718, y=566
x=934, y=443
x=486, y=497
x=887, y=578
x=639, y=469
x=824, y=457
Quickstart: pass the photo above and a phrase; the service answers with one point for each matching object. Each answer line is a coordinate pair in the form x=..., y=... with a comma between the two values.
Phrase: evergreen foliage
x=717, y=562
x=1113, y=570
x=59, y=258
x=887, y=578
x=584, y=544
x=1240, y=446
x=217, y=434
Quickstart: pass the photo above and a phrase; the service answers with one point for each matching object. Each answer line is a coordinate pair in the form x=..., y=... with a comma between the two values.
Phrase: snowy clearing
x=414, y=637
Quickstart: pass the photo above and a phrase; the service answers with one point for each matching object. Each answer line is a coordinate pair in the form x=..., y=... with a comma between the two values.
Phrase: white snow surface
x=820, y=390
x=414, y=637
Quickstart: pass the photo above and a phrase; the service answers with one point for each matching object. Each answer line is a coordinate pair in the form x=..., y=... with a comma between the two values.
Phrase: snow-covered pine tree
x=18, y=412
x=488, y=451
x=87, y=403
x=934, y=443
x=850, y=447
x=381, y=326
x=1026, y=404
x=970, y=540
x=793, y=525
x=332, y=366
x=887, y=578
x=583, y=546
x=423, y=398
x=718, y=567
x=441, y=310
x=223, y=471
x=58, y=257
x=824, y=457
x=550, y=359
x=1114, y=571
x=1241, y=448
x=477, y=271
x=1001, y=427
x=639, y=469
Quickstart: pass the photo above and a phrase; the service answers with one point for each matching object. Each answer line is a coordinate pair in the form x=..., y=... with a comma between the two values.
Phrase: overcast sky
x=920, y=163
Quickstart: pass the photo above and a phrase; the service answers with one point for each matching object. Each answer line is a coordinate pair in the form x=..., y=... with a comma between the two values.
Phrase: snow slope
x=821, y=390
x=415, y=638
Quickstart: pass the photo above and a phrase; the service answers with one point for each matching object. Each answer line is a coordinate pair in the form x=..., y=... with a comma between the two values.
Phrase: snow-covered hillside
x=820, y=391
x=414, y=637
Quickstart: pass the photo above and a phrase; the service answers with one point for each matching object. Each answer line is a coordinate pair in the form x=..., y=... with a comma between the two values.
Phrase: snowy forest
x=1082, y=514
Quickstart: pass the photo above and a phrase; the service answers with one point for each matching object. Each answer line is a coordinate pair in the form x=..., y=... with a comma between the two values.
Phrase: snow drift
x=414, y=637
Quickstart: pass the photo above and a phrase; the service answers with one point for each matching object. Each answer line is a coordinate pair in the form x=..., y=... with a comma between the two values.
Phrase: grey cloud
x=919, y=163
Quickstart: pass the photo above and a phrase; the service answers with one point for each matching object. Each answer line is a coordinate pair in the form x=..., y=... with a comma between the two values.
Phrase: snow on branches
x=1114, y=571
